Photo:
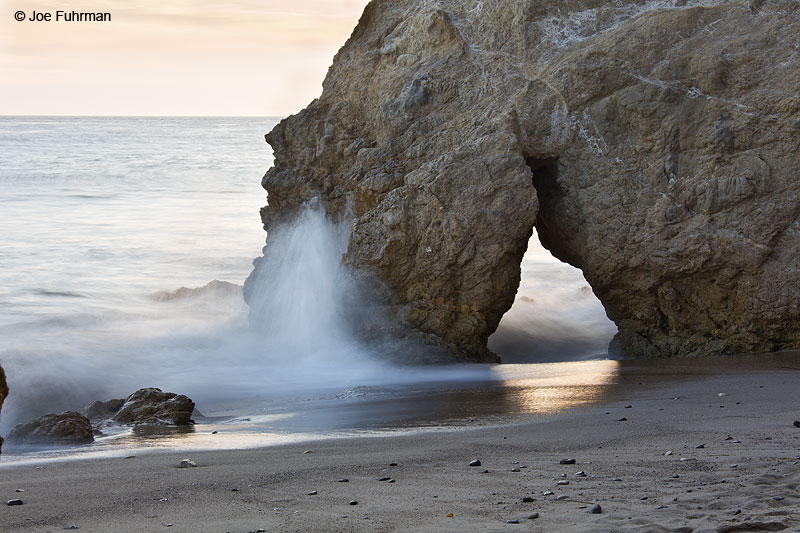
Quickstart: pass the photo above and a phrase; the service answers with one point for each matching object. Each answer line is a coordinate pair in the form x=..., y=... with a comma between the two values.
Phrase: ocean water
x=103, y=219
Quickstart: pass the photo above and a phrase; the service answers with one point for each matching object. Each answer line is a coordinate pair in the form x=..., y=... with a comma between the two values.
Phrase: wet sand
x=666, y=406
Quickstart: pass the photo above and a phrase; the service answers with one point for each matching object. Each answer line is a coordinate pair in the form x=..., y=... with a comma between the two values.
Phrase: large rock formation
x=3, y=394
x=154, y=406
x=66, y=428
x=654, y=144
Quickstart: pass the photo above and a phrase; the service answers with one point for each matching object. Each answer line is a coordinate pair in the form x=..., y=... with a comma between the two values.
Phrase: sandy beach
x=673, y=453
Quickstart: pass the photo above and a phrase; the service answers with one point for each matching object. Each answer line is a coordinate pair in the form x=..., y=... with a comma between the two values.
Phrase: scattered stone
x=623, y=419
x=527, y=499
x=475, y=462
x=390, y=481
x=311, y=493
x=19, y=490
x=14, y=502
x=512, y=521
x=595, y=509
x=797, y=423
x=129, y=457
x=384, y=478
x=735, y=465
x=721, y=394
x=669, y=452
x=675, y=476
x=308, y=451
x=71, y=527
x=580, y=474
x=561, y=497
x=392, y=464
x=533, y=516
x=234, y=490
x=563, y=482
x=70, y=427
x=187, y=463
x=737, y=512
x=548, y=493
x=514, y=462
x=617, y=479
x=215, y=431
x=353, y=502
x=515, y=470
x=736, y=442
x=449, y=515
x=567, y=462
x=700, y=446
x=344, y=480
x=661, y=507
x=484, y=471
x=628, y=406
x=643, y=498
x=777, y=498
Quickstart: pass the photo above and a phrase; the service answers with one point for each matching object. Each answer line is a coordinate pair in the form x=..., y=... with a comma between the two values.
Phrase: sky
x=170, y=57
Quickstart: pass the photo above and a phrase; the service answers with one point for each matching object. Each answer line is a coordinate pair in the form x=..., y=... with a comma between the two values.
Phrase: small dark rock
x=384, y=478
x=311, y=493
x=512, y=521
x=595, y=509
x=214, y=432
x=533, y=516
x=390, y=481
x=475, y=462
x=700, y=446
x=484, y=471
x=345, y=480
x=14, y=502
x=797, y=423
x=392, y=464
x=623, y=419
x=567, y=462
x=515, y=470
x=777, y=498
x=99, y=411
x=527, y=499
x=353, y=502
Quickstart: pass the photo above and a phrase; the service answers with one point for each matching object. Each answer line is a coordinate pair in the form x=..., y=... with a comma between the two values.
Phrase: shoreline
x=750, y=427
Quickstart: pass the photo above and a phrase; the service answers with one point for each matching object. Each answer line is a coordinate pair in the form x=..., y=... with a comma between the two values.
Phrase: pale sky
x=170, y=57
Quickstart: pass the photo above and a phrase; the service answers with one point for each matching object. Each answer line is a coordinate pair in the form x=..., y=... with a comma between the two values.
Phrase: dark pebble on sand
x=14, y=502
x=643, y=498
x=777, y=498
x=311, y=493
x=700, y=446
x=234, y=490
x=567, y=462
x=475, y=462
x=19, y=490
x=661, y=507
x=214, y=432
x=71, y=527
x=797, y=423
x=353, y=502
x=628, y=406
x=390, y=481
x=527, y=499
x=345, y=480
x=392, y=464
x=533, y=516
x=515, y=469
x=384, y=478
x=580, y=474
x=484, y=471
x=623, y=419
x=595, y=509
x=512, y=521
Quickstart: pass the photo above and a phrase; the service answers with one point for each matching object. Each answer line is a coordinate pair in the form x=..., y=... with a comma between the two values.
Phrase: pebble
x=214, y=432
x=561, y=497
x=548, y=493
x=797, y=423
x=617, y=479
x=661, y=507
x=345, y=480
x=484, y=471
x=311, y=493
x=580, y=474
x=392, y=464
x=353, y=502
x=449, y=515
x=14, y=502
x=384, y=478
x=512, y=521
x=668, y=452
x=628, y=406
x=721, y=394
x=234, y=490
x=700, y=446
x=187, y=463
x=595, y=509
x=514, y=462
x=675, y=476
x=623, y=419
x=20, y=490
x=475, y=462
x=735, y=465
x=527, y=499
x=563, y=482
x=777, y=498
x=308, y=451
x=515, y=469
x=390, y=481
x=567, y=462
x=533, y=516
x=643, y=498
x=72, y=527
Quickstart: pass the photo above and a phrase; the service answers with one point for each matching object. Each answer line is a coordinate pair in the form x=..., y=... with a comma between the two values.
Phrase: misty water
x=103, y=219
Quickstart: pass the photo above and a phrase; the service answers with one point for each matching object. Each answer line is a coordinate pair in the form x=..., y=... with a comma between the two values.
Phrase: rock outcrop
x=3, y=395
x=654, y=144
x=153, y=406
x=66, y=428
x=100, y=411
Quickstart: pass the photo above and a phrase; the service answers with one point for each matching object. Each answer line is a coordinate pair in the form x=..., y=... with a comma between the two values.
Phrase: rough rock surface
x=654, y=144
x=70, y=427
x=99, y=411
x=153, y=406
x=3, y=395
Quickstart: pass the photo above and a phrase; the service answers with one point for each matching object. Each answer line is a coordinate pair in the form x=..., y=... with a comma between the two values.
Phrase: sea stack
x=653, y=145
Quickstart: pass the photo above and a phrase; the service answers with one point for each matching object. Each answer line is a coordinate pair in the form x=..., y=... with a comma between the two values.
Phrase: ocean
x=103, y=219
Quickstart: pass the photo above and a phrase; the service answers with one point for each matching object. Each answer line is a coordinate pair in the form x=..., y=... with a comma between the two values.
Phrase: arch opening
x=556, y=315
